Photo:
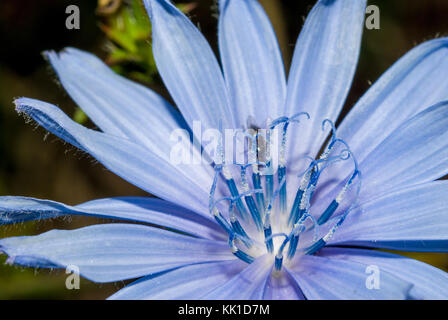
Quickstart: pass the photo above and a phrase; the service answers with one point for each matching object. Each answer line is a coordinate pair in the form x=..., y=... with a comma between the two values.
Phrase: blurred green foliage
x=128, y=31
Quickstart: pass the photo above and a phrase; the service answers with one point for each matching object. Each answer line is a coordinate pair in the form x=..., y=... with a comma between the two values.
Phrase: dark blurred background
x=46, y=168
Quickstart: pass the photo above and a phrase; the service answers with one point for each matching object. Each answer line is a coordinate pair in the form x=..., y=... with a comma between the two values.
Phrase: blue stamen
x=305, y=184
x=268, y=237
x=250, y=202
x=254, y=212
x=243, y=256
x=332, y=128
x=234, y=192
x=279, y=255
x=278, y=262
x=315, y=247
x=260, y=201
x=294, y=238
x=259, y=196
x=269, y=178
x=238, y=228
x=282, y=194
x=335, y=203
x=293, y=246
x=269, y=187
x=282, y=170
x=328, y=212
x=267, y=222
x=299, y=207
x=222, y=221
x=295, y=207
x=237, y=252
x=213, y=188
x=323, y=241
x=269, y=243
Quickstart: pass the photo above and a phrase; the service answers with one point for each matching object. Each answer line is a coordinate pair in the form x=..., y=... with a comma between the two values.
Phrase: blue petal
x=116, y=105
x=416, y=152
x=139, y=209
x=429, y=282
x=252, y=61
x=415, y=82
x=112, y=252
x=183, y=185
x=283, y=287
x=121, y=107
x=249, y=284
x=188, y=67
x=186, y=283
x=323, y=66
x=411, y=219
x=333, y=279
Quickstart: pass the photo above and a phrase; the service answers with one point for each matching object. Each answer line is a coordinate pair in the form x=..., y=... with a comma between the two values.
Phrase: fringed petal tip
x=53, y=54
x=26, y=105
x=31, y=262
x=19, y=104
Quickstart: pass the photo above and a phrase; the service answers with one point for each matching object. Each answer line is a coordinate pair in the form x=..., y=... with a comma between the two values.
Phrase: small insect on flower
x=299, y=217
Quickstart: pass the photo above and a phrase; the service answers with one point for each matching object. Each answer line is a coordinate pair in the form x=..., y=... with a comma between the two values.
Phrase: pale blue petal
x=416, y=152
x=186, y=283
x=139, y=209
x=321, y=278
x=322, y=69
x=415, y=82
x=428, y=281
x=412, y=219
x=282, y=287
x=112, y=252
x=252, y=62
x=130, y=161
x=115, y=104
x=249, y=284
x=188, y=67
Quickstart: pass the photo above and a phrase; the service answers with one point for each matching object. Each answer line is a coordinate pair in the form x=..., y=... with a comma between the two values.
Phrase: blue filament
x=268, y=237
x=254, y=212
x=250, y=202
x=315, y=247
x=267, y=225
x=279, y=256
x=234, y=192
x=256, y=180
x=295, y=236
x=282, y=194
x=334, y=204
x=239, y=253
x=223, y=223
x=278, y=262
x=295, y=207
x=269, y=187
x=236, y=225
x=328, y=212
x=293, y=246
x=244, y=256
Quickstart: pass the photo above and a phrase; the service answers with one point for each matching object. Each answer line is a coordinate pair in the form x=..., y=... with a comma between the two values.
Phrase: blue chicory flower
x=240, y=231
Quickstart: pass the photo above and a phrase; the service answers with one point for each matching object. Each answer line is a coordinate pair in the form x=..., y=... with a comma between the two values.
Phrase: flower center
x=262, y=214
